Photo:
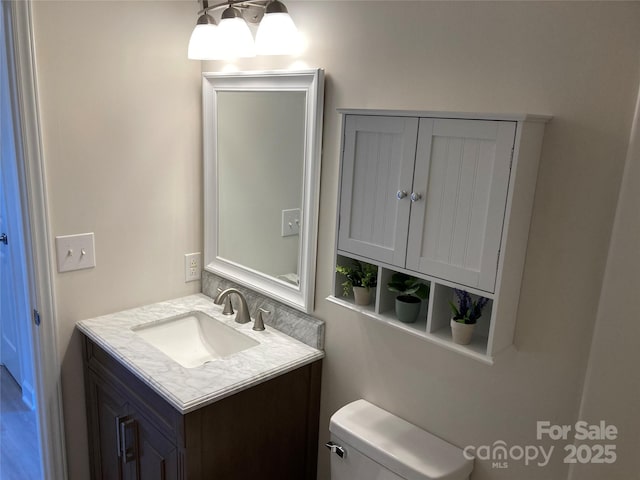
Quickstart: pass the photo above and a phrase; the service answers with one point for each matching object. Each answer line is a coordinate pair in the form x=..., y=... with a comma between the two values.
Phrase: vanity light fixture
x=232, y=38
x=204, y=42
x=235, y=34
x=277, y=34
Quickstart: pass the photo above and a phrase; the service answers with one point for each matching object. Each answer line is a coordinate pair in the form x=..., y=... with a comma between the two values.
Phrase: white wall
x=121, y=119
x=577, y=61
x=120, y=106
x=612, y=385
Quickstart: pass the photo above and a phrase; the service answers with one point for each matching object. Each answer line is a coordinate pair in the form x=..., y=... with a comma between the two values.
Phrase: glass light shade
x=236, y=38
x=204, y=43
x=277, y=35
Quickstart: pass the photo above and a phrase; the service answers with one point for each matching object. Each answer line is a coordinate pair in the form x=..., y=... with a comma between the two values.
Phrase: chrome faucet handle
x=228, y=308
x=258, y=325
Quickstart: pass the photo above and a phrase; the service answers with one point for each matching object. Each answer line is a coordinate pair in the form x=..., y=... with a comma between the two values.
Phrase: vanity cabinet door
x=157, y=456
x=377, y=173
x=460, y=184
x=106, y=409
x=125, y=444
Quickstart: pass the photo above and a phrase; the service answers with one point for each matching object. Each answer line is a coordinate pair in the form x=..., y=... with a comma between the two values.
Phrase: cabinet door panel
x=379, y=153
x=462, y=172
x=107, y=408
x=118, y=431
x=158, y=459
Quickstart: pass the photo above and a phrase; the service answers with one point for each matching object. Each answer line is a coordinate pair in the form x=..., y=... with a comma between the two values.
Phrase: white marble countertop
x=188, y=389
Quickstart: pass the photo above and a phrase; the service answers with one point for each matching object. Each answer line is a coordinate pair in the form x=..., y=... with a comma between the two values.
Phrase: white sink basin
x=194, y=338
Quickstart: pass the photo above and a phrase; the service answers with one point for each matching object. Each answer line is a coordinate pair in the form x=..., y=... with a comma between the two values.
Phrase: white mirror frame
x=311, y=82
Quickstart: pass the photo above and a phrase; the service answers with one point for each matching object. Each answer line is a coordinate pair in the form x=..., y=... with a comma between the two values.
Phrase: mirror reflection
x=261, y=151
x=262, y=136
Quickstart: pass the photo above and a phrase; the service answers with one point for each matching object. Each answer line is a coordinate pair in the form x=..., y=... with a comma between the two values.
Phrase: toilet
x=369, y=443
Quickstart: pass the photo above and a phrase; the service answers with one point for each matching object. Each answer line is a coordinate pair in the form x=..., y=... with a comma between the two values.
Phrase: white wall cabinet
x=426, y=194
x=445, y=197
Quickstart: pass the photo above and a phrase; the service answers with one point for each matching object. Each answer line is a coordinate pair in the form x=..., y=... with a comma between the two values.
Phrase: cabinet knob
x=401, y=194
x=416, y=196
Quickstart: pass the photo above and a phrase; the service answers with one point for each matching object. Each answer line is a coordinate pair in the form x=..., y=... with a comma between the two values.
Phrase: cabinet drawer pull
x=127, y=438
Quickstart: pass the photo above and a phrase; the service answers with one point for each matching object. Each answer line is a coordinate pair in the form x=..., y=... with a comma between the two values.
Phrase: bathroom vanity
x=251, y=414
x=177, y=390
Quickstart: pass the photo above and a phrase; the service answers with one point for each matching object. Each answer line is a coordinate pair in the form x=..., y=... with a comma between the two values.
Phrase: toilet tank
x=370, y=443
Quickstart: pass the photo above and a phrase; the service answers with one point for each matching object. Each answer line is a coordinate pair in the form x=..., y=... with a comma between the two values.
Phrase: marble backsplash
x=296, y=324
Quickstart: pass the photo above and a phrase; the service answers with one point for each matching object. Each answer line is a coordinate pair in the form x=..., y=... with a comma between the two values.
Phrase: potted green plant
x=361, y=278
x=411, y=291
x=465, y=316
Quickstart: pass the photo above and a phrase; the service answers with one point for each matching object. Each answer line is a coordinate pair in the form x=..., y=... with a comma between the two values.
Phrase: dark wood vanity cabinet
x=269, y=431
x=126, y=444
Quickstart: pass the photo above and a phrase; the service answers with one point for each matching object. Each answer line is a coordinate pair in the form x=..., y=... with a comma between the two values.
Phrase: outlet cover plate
x=75, y=252
x=192, y=266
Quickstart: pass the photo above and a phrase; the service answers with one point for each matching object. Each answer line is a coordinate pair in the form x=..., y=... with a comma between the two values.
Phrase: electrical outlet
x=192, y=266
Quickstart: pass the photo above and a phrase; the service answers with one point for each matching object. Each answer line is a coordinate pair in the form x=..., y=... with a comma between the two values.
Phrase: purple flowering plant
x=467, y=311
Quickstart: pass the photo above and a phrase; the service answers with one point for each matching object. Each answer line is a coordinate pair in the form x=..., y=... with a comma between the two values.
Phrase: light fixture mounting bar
x=249, y=5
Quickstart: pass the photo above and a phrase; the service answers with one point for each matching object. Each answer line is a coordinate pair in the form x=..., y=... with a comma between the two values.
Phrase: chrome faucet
x=228, y=308
x=243, y=310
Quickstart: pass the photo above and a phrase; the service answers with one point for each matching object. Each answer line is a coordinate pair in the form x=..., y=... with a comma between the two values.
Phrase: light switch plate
x=75, y=252
x=290, y=222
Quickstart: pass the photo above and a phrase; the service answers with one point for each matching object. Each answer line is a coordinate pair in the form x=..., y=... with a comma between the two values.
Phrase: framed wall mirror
x=262, y=145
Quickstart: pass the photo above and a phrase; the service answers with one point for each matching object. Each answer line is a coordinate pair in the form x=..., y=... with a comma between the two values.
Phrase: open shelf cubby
x=439, y=321
x=433, y=323
x=387, y=304
x=339, y=291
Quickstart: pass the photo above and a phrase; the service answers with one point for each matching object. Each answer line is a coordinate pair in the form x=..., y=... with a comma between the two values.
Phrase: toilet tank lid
x=398, y=445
